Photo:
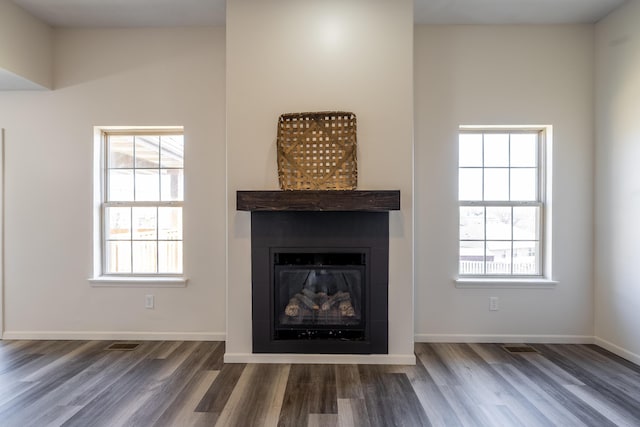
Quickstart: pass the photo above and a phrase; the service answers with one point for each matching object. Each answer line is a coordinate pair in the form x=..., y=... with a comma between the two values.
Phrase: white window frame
x=100, y=277
x=543, y=279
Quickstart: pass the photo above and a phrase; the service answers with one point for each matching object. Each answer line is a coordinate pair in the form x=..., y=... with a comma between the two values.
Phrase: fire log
x=335, y=299
x=346, y=309
x=293, y=308
x=306, y=301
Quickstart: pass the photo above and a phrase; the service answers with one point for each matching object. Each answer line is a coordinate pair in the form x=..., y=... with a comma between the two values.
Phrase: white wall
x=112, y=77
x=618, y=181
x=278, y=62
x=1, y=231
x=25, y=50
x=291, y=56
x=503, y=75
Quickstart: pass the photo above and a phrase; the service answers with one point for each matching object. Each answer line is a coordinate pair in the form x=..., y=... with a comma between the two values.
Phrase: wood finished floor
x=79, y=383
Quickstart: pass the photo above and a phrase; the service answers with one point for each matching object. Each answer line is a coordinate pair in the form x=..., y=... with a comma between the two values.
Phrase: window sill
x=145, y=282
x=504, y=283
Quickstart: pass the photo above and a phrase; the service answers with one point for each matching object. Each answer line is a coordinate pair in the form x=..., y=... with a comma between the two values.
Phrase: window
x=142, y=199
x=500, y=190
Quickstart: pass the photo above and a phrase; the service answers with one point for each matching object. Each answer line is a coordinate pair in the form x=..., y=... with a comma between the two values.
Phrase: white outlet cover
x=148, y=301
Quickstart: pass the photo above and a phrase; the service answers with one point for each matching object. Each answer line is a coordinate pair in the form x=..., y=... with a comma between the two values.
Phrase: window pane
x=526, y=220
x=172, y=151
x=144, y=223
x=120, y=185
x=526, y=258
x=146, y=168
x=499, y=223
x=496, y=149
x=496, y=184
x=471, y=257
x=147, y=185
x=470, y=149
x=502, y=169
x=498, y=257
x=118, y=257
x=170, y=257
x=118, y=223
x=471, y=223
x=172, y=181
x=145, y=257
x=524, y=184
x=120, y=151
x=470, y=184
x=524, y=150
x=147, y=151
x=170, y=223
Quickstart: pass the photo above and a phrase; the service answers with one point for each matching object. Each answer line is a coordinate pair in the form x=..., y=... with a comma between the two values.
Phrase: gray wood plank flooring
x=81, y=383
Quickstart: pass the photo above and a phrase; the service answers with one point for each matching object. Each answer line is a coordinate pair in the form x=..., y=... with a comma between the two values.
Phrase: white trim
x=143, y=282
x=544, y=199
x=98, y=173
x=503, y=128
x=114, y=335
x=617, y=350
x=100, y=170
x=332, y=359
x=479, y=338
x=142, y=129
x=500, y=283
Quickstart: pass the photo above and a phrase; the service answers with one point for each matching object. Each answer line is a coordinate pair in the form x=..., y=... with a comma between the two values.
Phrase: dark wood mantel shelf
x=319, y=200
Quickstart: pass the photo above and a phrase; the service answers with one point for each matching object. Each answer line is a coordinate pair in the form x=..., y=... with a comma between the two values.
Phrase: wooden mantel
x=319, y=200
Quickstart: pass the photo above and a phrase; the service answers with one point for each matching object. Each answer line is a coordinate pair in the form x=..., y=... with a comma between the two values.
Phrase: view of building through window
x=501, y=207
x=142, y=210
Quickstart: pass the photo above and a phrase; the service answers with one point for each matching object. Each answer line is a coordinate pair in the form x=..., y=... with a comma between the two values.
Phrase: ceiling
x=11, y=81
x=512, y=11
x=127, y=13
x=171, y=13
x=176, y=13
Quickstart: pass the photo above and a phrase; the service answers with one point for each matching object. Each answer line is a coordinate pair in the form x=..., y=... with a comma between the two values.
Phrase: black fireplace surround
x=320, y=271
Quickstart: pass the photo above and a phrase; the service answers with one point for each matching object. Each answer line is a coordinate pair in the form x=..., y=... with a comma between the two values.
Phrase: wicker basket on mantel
x=317, y=151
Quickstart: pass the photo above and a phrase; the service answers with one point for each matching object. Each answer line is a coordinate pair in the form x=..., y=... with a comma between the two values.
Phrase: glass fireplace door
x=319, y=301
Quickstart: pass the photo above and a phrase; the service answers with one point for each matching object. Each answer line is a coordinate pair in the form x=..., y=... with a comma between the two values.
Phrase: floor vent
x=123, y=346
x=520, y=349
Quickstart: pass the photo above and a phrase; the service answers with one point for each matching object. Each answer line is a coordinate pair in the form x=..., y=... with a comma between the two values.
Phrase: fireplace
x=319, y=271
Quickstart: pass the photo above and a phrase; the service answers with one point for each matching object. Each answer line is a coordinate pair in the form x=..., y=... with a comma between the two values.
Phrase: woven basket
x=317, y=151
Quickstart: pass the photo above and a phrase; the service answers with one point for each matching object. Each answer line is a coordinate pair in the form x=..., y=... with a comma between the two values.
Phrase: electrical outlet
x=493, y=304
x=149, y=301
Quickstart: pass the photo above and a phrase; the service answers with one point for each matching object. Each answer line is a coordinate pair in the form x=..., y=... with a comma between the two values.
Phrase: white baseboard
x=374, y=359
x=507, y=339
x=113, y=336
x=617, y=350
x=365, y=359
